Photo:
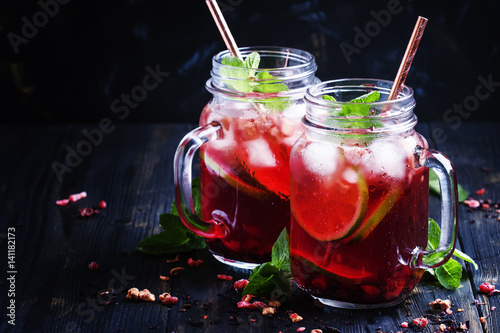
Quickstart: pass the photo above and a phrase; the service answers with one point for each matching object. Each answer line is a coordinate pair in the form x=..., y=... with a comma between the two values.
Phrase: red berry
x=486, y=288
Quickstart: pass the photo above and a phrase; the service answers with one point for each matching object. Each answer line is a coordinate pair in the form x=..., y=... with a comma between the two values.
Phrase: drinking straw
x=405, y=65
x=223, y=28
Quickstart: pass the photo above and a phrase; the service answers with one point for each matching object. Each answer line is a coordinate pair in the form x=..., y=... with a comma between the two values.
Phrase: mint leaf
x=252, y=60
x=361, y=110
x=245, y=78
x=273, y=279
x=329, y=98
x=449, y=274
x=175, y=237
x=280, y=255
x=434, y=187
x=465, y=257
x=236, y=70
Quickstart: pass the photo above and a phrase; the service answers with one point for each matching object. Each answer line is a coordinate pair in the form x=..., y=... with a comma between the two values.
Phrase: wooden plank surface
x=131, y=169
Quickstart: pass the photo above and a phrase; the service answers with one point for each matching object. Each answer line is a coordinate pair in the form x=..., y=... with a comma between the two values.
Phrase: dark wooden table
x=48, y=280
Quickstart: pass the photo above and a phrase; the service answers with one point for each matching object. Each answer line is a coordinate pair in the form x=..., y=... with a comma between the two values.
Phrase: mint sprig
x=175, y=237
x=449, y=274
x=273, y=279
x=361, y=110
x=243, y=76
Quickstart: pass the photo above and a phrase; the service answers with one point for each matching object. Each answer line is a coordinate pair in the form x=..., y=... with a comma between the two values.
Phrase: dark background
x=90, y=53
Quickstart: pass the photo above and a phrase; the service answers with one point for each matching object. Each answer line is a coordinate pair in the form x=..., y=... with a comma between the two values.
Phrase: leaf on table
x=449, y=274
x=434, y=187
x=273, y=279
x=175, y=237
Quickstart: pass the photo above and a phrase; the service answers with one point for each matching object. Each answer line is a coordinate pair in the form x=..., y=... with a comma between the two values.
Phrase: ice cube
x=259, y=153
x=350, y=176
x=387, y=156
x=321, y=158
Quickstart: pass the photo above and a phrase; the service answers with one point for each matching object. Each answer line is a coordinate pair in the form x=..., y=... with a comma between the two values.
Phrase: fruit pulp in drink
x=245, y=178
x=358, y=212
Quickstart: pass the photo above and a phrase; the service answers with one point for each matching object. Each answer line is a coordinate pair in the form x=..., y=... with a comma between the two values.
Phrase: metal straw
x=411, y=49
x=223, y=28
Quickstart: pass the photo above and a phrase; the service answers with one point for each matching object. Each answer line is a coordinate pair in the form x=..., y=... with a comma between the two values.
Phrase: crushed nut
x=268, y=311
x=442, y=327
x=420, y=322
x=440, y=304
x=275, y=304
x=145, y=295
x=295, y=317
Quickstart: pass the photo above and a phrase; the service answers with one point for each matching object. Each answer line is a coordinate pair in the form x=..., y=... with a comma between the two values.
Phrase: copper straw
x=411, y=49
x=223, y=28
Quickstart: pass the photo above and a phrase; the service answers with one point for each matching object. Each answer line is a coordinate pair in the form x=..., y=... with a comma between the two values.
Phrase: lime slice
x=341, y=207
x=378, y=215
x=236, y=175
x=335, y=272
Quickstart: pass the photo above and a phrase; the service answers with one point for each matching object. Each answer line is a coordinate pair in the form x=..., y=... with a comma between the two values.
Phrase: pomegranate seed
x=225, y=277
x=486, y=288
x=480, y=191
x=404, y=324
x=93, y=266
x=102, y=204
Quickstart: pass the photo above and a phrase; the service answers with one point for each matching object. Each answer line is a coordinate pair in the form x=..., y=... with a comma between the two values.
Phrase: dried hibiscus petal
x=93, y=266
x=225, y=277
x=194, y=263
x=240, y=284
x=77, y=196
x=472, y=203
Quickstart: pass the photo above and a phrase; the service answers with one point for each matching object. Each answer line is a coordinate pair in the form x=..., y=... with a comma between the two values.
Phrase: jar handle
x=449, y=210
x=183, y=161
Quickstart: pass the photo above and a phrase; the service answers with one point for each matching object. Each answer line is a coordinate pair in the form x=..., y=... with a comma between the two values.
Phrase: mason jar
x=245, y=135
x=359, y=196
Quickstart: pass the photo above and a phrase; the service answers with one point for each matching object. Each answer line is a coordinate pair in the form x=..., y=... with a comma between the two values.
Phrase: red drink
x=245, y=179
x=359, y=196
x=355, y=225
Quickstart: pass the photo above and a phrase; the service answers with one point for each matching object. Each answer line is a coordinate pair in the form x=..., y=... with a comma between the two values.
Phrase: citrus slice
x=377, y=216
x=332, y=211
x=335, y=272
x=236, y=175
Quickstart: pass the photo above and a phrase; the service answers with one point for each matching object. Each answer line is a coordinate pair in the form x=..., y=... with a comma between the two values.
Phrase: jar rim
x=305, y=58
x=294, y=67
x=377, y=117
x=314, y=94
